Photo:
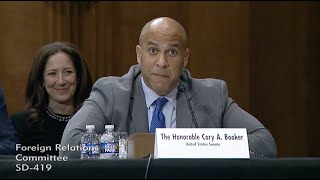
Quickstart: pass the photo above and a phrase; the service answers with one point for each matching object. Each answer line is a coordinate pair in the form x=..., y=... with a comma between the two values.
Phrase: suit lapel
x=138, y=108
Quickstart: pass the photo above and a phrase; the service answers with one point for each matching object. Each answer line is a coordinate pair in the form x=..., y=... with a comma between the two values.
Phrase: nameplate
x=201, y=143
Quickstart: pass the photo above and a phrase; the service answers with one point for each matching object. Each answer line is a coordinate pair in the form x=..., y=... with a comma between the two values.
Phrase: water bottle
x=108, y=145
x=90, y=144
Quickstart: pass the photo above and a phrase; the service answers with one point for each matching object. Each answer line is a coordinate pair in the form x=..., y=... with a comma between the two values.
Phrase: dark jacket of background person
x=8, y=137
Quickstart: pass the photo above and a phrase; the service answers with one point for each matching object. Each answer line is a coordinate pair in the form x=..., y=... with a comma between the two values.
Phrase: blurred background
x=267, y=52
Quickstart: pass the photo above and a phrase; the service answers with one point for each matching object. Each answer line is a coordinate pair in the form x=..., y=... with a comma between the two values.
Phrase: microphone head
x=181, y=88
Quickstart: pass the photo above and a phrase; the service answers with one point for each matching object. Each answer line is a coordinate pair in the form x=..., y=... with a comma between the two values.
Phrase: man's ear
x=186, y=57
x=138, y=51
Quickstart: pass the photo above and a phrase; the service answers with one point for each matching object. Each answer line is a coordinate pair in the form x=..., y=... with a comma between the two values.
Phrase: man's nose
x=162, y=61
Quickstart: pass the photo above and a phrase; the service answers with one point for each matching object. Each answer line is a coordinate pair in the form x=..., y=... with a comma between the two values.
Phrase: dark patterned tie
x=158, y=119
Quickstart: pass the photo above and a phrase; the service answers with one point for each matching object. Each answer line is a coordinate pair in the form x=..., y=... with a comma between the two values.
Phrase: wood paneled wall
x=285, y=73
x=267, y=52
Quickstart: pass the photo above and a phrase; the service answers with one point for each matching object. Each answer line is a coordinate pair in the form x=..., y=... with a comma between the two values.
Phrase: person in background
x=8, y=136
x=156, y=93
x=58, y=83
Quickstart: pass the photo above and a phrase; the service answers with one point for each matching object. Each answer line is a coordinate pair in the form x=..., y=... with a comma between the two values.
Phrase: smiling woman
x=58, y=84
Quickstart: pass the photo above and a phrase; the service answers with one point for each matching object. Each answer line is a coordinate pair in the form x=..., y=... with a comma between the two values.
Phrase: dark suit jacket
x=121, y=101
x=8, y=136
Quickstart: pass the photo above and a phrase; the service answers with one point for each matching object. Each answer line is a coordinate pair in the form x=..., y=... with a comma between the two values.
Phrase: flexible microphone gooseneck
x=148, y=166
x=181, y=88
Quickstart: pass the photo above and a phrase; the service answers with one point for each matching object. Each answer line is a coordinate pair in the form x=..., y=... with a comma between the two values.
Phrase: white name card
x=201, y=143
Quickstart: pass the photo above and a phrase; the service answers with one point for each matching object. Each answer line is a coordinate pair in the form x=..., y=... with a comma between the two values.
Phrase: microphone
x=181, y=88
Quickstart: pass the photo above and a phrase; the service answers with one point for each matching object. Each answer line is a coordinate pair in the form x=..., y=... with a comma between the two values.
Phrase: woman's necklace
x=57, y=116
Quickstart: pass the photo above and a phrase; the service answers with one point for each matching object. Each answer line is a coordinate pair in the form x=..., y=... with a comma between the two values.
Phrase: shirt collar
x=151, y=96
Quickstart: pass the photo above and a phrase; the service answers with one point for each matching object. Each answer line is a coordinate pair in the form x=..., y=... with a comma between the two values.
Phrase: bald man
x=159, y=92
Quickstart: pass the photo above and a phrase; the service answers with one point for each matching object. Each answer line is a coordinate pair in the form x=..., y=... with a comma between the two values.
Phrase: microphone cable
x=181, y=88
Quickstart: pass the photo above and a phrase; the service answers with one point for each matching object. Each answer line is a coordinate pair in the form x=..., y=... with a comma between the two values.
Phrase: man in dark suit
x=8, y=138
x=130, y=102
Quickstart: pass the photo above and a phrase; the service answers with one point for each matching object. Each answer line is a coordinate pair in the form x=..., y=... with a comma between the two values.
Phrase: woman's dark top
x=47, y=134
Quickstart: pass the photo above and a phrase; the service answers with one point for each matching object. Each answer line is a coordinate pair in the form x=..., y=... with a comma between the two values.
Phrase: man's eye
x=173, y=52
x=152, y=51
